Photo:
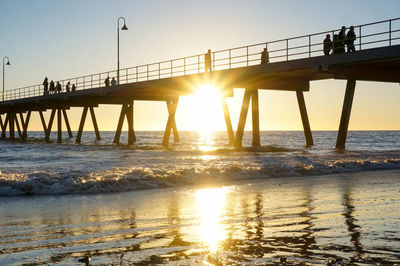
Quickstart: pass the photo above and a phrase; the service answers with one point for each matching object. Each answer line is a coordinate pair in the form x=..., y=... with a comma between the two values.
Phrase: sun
x=206, y=109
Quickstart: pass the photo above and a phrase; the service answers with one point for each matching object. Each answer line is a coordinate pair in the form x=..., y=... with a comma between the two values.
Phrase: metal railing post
x=213, y=61
x=309, y=45
x=99, y=80
x=159, y=71
x=198, y=64
x=171, y=68
x=230, y=59
x=91, y=81
x=137, y=78
x=287, y=49
x=247, y=55
x=359, y=33
x=84, y=83
x=390, y=32
x=184, y=66
x=147, y=72
x=126, y=73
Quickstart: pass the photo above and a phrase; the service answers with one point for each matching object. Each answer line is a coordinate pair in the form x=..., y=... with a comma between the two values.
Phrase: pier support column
x=345, y=118
x=174, y=128
x=96, y=128
x=120, y=123
x=228, y=122
x=43, y=122
x=48, y=130
x=126, y=111
x=4, y=127
x=18, y=127
x=252, y=94
x=11, y=125
x=59, y=125
x=25, y=123
x=304, y=119
x=67, y=123
x=255, y=118
x=129, y=117
x=242, y=118
x=171, y=120
x=81, y=124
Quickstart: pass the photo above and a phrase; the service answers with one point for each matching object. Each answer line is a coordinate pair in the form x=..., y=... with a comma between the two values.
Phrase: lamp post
x=8, y=63
x=123, y=28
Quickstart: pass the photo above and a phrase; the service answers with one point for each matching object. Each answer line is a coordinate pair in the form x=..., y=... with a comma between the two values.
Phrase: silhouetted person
x=67, y=88
x=207, y=61
x=58, y=87
x=45, y=86
x=107, y=82
x=341, y=40
x=264, y=56
x=327, y=45
x=351, y=37
x=73, y=87
x=113, y=82
x=336, y=44
x=51, y=88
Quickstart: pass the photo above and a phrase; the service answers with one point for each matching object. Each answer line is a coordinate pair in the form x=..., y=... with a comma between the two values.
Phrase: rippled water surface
x=346, y=218
x=201, y=201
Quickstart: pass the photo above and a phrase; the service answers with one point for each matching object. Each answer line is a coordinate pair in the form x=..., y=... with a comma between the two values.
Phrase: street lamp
x=8, y=63
x=123, y=28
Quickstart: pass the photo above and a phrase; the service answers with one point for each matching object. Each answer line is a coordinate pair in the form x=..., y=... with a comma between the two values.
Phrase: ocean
x=201, y=201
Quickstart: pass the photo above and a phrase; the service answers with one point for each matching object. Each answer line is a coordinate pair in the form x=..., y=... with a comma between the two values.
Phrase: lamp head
x=124, y=27
x=8, y=63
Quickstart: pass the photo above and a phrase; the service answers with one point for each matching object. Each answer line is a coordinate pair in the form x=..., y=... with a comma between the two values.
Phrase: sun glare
x=207, y=109
x=211, y=204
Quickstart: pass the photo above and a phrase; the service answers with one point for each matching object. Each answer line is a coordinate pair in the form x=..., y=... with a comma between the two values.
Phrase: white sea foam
x=38, y=168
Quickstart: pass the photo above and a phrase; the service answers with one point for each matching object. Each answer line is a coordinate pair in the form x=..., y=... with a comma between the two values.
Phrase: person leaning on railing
x=264, y=56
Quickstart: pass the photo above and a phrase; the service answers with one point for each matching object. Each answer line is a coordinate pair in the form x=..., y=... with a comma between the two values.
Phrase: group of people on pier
x=53, y=88
x=340, y=40
x=107, y=82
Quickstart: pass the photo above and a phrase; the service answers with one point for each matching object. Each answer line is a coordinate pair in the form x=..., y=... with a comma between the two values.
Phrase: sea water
x=201, y=201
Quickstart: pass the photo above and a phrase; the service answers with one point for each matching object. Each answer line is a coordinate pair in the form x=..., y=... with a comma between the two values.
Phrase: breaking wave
x=136, y=178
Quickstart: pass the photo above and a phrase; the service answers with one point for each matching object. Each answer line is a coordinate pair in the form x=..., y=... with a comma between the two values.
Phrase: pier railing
x=371, y=35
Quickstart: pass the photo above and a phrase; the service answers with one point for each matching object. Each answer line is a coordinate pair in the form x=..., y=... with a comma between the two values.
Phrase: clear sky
x=67, y=38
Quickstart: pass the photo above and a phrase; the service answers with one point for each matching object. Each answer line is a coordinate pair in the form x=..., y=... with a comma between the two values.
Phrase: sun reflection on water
x=211, y=203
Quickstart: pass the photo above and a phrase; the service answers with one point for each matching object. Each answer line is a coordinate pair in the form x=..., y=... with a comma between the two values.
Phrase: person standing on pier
x=67, y=89
x=264, y=56
x=207, y=61
x=51, y=88
x=58, y=87
x=327, y=45
x=45, y=86
x=107, y=81
x=73, y=87
x=341, y=40
x=351, y=37
x=113, y=82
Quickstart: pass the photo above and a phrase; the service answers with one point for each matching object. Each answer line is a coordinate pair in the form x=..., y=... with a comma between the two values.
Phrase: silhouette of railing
x=371, y=35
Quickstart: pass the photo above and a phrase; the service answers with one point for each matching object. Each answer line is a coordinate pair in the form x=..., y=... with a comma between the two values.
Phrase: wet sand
x=346, y=218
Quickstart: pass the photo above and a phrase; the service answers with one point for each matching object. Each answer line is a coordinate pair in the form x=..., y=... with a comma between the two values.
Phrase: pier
x=294, y=62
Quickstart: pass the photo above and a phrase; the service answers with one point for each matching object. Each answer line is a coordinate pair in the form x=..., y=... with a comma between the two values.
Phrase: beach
x=344, y=218
x=201, y=201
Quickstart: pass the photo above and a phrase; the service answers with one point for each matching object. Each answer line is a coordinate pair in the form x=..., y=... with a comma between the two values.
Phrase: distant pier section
x=292, y=64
